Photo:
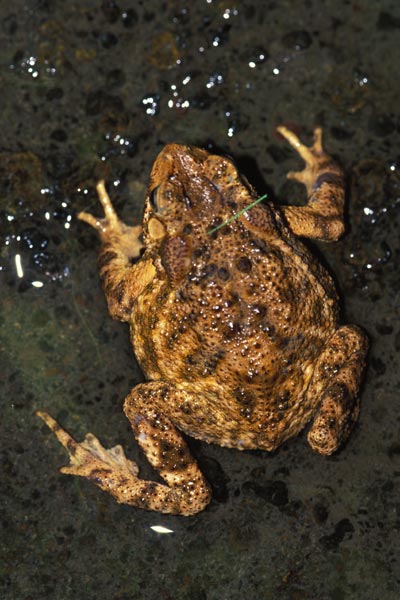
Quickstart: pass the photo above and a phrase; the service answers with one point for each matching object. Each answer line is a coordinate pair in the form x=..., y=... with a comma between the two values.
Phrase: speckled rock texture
x=94, y=90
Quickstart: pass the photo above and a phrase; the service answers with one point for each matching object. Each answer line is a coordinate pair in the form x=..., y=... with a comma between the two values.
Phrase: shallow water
x=95, y=89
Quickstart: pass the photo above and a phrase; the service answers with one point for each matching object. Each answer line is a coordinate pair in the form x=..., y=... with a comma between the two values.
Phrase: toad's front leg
x=122, y=281
x=185, y=491
x=322, y=217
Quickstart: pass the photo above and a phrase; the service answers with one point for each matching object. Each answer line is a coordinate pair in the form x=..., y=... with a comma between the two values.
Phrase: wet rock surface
x=95, y=89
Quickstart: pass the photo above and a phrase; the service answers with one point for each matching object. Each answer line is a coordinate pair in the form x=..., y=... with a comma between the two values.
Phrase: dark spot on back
x=232, y=299
x=243, y=396
x=214, y=223
x=199, y=251
x=243, y=264
x=232, y=329
x=223, y=274
x=204, y=363
x=185, y=408
x=259, y=310
x=267, y=328
x=209, y=269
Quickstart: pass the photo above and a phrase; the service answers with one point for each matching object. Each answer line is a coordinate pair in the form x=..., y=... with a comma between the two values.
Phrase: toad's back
x=248, y=318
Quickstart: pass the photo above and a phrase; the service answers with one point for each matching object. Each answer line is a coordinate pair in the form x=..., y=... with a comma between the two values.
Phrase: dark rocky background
x=95, y=89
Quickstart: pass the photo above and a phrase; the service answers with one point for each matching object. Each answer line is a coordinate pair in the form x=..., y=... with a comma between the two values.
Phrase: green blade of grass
x=237, y=215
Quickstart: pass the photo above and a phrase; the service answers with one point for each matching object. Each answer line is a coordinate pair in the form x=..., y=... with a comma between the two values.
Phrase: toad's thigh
x=202, y=413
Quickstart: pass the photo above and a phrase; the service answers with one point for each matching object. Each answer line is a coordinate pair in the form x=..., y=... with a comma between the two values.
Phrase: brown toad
x=236, y=328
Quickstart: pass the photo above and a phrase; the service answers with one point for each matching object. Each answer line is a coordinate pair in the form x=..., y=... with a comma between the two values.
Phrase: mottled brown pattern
x=236, y=331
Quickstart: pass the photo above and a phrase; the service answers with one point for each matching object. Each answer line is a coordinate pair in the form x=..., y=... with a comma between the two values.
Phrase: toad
x=233, y=321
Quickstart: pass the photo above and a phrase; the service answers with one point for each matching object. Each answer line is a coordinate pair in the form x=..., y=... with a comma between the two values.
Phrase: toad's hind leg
x=185, y=490
x=336, y=380
x=322, y=217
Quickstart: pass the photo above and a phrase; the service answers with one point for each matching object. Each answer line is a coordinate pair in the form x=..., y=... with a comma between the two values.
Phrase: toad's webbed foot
x=314, y=156
x=322, y=217
x=111, y=228
x=122, y=279
x=89, y=458
x=185, y=490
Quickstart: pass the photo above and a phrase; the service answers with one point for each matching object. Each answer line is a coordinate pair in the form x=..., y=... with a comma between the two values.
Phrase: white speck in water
x=18, y=266
x=161, y=529
x=229, y=12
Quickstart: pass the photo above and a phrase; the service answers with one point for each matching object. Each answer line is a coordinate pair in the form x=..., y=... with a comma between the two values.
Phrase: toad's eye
x=153, y=197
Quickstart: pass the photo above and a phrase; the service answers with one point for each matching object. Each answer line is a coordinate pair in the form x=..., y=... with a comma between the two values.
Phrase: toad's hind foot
x=111, y=471
x=336, y=380
x=89, y=458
